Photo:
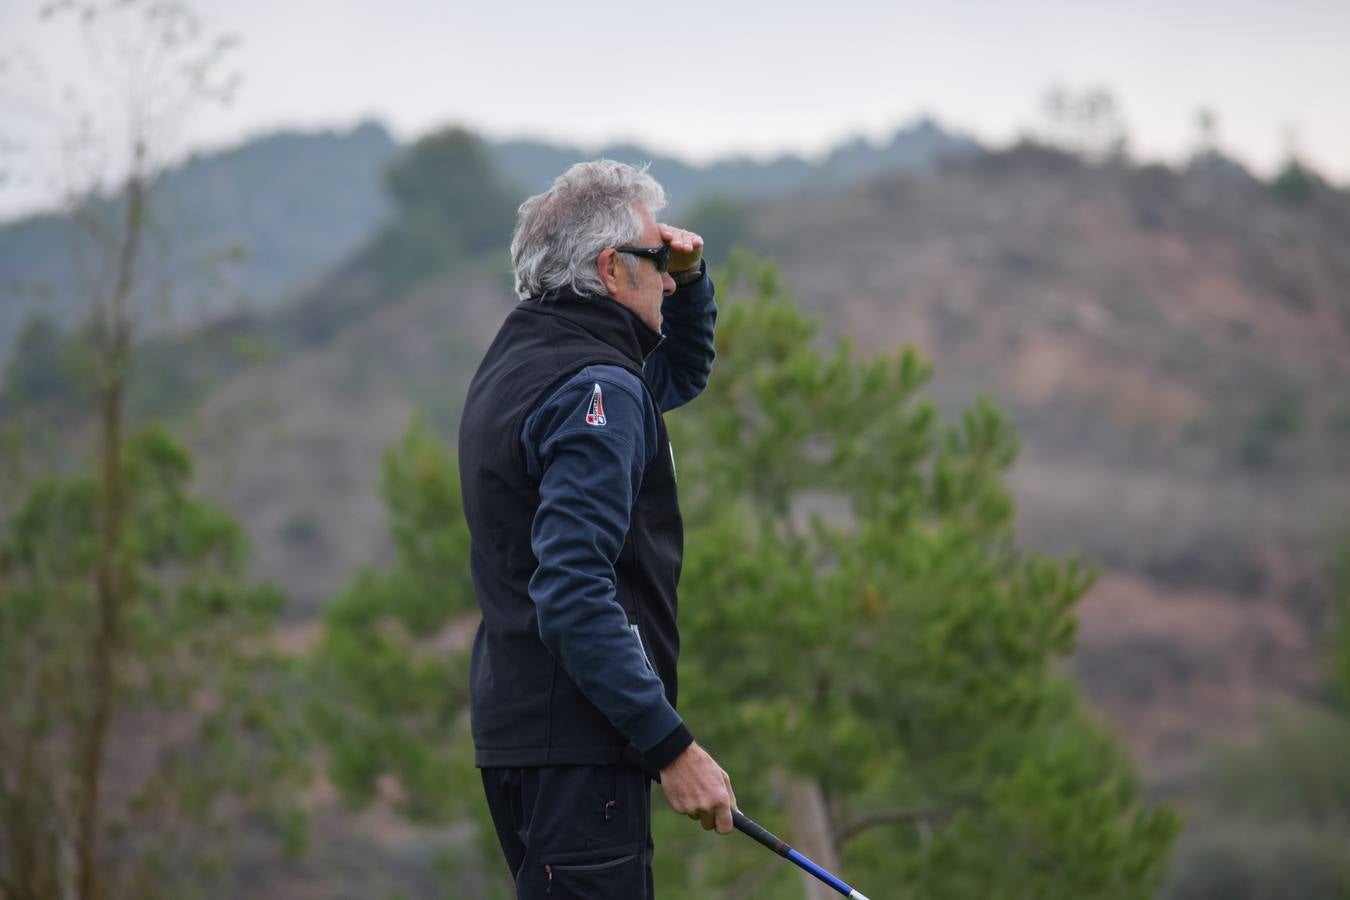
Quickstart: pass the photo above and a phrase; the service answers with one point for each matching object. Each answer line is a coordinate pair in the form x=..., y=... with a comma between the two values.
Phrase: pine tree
x=180, y=686
x=866, y=649
x=390, y=676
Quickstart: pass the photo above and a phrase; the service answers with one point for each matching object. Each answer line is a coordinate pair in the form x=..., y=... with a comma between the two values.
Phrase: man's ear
x=608, y=266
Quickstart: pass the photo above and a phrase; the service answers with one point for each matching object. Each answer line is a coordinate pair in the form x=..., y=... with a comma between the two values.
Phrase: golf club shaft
x=747, y=825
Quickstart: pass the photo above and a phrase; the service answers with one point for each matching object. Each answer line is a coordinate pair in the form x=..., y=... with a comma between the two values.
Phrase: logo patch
x=595, y=414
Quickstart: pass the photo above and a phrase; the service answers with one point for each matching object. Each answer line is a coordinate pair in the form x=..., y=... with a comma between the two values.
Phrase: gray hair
x=560, y=232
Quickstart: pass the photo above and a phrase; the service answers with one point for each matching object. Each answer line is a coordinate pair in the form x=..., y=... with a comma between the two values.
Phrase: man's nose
x=667, y=284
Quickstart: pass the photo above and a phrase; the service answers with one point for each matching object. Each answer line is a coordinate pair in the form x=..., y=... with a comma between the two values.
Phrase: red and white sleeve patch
x=595, y=413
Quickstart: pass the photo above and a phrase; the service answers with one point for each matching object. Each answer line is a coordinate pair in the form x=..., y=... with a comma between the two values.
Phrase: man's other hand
x=686, y=248
x=697, y=787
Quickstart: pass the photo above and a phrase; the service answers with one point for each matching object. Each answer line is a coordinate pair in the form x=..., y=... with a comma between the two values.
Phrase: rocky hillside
x=1175, y=347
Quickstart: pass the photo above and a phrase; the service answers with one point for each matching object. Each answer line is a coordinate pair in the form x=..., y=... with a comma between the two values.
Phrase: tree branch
x=890, y=817
x=751, y=883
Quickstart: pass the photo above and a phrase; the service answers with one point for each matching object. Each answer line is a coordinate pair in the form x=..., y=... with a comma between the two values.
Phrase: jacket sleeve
x=589, y=444
x=678, y=370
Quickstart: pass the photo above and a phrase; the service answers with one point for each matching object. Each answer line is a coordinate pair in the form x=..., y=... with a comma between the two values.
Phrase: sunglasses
x=660, y=256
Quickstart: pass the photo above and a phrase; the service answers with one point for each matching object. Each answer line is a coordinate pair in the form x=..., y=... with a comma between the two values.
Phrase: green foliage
x=200, y=708
x=1297, y=184
x=451, y=203
x=854, y=612
x=1340, y=648
x=1260, y=861
x=254, y=348
x=1339, y=422
x=302, y=529
x=1295, y=773
x=1274, y=816
x=1278, y=420
x=42, y=368
x=392, y=690
x=723, y=223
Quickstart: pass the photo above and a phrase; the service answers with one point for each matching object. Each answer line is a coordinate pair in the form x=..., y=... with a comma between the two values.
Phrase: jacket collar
x=604, y=318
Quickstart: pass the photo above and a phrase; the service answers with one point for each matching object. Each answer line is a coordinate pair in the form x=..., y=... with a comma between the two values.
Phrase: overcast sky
x=702, y=79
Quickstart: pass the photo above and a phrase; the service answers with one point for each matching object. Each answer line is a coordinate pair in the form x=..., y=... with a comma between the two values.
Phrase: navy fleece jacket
x=589, y=443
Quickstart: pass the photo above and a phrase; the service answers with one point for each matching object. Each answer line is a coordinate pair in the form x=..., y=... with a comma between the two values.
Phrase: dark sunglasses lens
x=662, y=259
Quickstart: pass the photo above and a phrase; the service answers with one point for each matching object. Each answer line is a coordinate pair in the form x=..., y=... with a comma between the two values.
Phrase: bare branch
x=891, y=817
x=751, y=884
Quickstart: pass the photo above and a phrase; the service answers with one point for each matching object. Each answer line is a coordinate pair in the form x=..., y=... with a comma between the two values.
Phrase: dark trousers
x=579, y=832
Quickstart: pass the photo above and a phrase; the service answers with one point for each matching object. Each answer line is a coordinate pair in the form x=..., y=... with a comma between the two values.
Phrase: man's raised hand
x=686, y=248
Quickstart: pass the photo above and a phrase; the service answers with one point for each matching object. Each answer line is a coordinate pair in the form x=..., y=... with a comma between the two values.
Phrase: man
x=569, y=491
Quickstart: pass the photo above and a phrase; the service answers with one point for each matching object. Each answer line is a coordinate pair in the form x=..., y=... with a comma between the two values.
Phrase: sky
x=703, y=79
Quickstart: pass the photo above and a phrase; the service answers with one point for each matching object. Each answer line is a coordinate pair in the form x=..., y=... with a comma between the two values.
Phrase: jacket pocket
x=623, y=877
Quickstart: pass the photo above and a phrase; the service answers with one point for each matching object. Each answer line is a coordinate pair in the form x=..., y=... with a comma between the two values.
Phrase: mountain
x=915, y=148
x=245, y=228
x=239, y=229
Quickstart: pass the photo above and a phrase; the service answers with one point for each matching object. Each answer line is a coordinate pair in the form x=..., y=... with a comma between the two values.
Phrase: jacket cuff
x=690, y=275
x=694, y=301
x=669, y=747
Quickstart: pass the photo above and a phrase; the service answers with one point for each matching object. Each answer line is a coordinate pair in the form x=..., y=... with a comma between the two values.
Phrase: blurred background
x=1018, y=561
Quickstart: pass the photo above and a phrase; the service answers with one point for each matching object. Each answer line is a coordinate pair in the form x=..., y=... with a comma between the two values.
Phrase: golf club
x=749, y=826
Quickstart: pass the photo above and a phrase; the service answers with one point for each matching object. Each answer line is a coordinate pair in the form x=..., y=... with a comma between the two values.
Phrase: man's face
x=643, y=292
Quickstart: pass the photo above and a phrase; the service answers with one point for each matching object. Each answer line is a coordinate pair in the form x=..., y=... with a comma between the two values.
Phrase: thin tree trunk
x=33, y=873
x=813, y=833
x=109, y=591
x=113, y=338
